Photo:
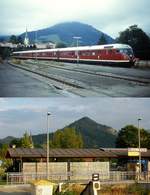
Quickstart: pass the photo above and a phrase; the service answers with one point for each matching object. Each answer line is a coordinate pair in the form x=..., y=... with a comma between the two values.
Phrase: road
x=97, y=81
x=15, y=83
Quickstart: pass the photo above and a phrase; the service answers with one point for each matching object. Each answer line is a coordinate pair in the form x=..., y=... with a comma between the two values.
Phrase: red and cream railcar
x=115, y=54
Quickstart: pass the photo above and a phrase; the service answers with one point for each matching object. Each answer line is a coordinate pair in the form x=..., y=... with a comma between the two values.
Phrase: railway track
x=109, y=75
x=70, y=83
x=88, y=80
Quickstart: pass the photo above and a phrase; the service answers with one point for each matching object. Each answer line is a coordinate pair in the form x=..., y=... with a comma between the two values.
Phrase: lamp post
x=47, y=164
x=36, y=45
x=77, y=45
x=139, y=140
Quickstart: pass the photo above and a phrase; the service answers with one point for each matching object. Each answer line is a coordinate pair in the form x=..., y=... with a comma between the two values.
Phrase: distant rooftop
x=7, y=44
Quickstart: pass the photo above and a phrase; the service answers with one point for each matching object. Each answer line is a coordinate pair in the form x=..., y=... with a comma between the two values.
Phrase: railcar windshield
x=126, y=51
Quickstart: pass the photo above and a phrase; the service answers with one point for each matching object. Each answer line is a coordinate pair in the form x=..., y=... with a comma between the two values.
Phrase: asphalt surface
x=101, y=85
x=15, y=83
x=132, y=72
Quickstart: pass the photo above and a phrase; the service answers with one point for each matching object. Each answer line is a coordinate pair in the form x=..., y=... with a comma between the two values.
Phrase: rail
x=79, y=85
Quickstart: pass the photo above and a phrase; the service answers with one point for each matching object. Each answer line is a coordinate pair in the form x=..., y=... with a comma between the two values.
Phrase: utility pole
x=47, y=164
x=36, y=45
x=139, y=140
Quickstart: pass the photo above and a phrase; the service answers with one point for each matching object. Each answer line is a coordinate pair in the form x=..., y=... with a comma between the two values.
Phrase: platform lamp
x=47, y=164
x=77, y=45
x=139, y=140
x=36, y=42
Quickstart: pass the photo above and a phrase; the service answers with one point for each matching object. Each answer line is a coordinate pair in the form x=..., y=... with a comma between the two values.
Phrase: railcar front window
x=126, y=51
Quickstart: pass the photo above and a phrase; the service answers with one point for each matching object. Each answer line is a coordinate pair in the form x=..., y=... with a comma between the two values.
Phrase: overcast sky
x=110, y=16
x=20, y=114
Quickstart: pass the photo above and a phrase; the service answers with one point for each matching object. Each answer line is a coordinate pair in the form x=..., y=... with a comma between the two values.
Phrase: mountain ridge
x=94, y=135
x=64, y=32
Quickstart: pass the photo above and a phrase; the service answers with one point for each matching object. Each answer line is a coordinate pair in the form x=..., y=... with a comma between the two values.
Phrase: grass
x=132, y=189
x=3, y=182
x=122, y=189
x=66, y=193
x=71, y=189
x=16, y=61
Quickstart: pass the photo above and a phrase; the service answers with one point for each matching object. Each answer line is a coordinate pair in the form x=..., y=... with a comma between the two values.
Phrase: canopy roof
x=58, y=153
x=71, y=153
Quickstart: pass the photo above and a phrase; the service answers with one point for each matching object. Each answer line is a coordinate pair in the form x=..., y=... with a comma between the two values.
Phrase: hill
x=94, y=135
x=4, y=38
x=64, y=32
x=7, y=140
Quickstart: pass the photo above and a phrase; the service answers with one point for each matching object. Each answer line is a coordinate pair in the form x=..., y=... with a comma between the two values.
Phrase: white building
x=8, y=44
x=48, y=45
x=26, y=39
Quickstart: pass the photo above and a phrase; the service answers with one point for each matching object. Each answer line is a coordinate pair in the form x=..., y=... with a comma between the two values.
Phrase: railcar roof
x=94, y=47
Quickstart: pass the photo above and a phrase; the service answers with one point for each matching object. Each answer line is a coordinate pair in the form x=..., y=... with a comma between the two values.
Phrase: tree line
x=69, y=138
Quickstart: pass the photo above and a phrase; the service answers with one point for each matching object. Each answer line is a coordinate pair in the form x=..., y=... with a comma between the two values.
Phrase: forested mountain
x=94, y=135
x=64, y=32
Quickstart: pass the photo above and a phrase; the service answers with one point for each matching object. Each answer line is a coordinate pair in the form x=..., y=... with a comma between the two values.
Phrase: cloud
x=20, y=114
x=110, y=16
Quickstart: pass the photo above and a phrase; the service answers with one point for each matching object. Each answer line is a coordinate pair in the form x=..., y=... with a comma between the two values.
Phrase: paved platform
x=16, y=83
x=15, y=190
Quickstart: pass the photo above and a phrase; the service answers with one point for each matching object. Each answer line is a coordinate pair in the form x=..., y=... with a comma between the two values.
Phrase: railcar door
x=57, y=55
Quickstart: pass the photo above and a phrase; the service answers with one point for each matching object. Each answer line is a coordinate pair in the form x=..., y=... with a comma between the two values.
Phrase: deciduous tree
x=137, y=39
x=102, y=40
x=26, y=141
x=13, y=39
x=128, y=137
x=60, y=45
x=68, y=138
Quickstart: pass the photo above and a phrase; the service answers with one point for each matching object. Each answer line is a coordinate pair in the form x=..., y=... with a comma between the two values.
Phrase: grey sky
x=110, y=16
x=20, y=114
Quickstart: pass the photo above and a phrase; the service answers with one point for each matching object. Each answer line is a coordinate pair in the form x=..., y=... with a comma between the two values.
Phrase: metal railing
x=113, y=176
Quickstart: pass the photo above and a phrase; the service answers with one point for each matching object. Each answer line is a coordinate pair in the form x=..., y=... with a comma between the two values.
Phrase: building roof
x=58, y=153
x=7, y=44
